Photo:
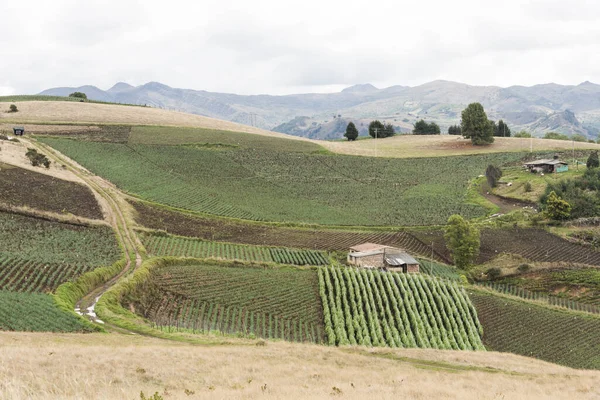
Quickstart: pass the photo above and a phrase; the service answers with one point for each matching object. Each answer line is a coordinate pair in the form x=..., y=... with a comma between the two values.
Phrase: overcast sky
x=282, y=46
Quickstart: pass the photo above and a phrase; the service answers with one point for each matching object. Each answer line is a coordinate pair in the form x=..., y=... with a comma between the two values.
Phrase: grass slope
x=561, y=337
x=285, y=186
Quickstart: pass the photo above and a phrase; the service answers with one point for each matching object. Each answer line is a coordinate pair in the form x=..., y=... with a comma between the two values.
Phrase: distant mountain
x=539, y=109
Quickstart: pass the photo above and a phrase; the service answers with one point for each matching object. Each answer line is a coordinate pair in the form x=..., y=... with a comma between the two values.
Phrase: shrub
x=523, y=268
x=593, y=161
x=78, y=95
x=493, y=174
x=493, y=273
x=557, y=208
x=13, y=108
x=528, y=187
x=36, y=158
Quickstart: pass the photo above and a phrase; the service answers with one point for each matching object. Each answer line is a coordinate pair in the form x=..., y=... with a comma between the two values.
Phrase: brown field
x=115, y=366
x=90, y=113
x=410, y=146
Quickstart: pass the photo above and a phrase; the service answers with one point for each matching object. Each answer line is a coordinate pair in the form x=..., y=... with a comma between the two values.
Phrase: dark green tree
x=522, y=134
x=476, y=126
x=423, y=128
x=462, y=240
x=79, y=95
x=376, y=129
x=351, y=131
x=557, y=208
x=454, y=130
x=555, y=136
x=502, y=129
x=389, y=131
x=578, y=137
x=13, y=108
x=593, y=161
x=493, y=174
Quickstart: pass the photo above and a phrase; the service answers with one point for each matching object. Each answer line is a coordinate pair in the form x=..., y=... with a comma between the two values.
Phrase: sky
x=282, y=47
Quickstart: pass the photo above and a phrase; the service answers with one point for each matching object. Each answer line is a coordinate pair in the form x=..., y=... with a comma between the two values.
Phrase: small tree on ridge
x=351, y=131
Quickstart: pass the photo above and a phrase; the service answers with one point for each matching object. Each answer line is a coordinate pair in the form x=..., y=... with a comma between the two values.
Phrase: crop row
x=21, y=275
x=176, y=246
x=176, y=313
x=235, y=299
x=524, y=328
x=543, y=297
x=375, y=308
x=34, y=312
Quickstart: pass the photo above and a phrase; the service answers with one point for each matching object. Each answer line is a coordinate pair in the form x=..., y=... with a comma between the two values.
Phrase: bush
x=523, y=268
x=493, y=174
x=593, y=161
x=36, y=158
x=493, y=273
x=12, y=108
x=528, y=187
x=79, y=95
x=523, y=134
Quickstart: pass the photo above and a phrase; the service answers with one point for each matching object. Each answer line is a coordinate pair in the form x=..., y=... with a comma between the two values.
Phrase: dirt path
x=504, y=204
x=115, y=215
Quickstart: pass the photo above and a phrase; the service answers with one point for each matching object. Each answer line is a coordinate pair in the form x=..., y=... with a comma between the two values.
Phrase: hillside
x=538, y=108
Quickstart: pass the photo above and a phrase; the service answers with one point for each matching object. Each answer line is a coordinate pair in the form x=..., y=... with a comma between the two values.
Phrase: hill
x=537, y=108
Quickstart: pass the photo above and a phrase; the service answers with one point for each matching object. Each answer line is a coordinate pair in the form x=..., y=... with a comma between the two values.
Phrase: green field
x=35, y=258
x=183, y=247
x=372, y=308
x=560, y=337
x=235, y=299
x=37, y=97
x=288, y=181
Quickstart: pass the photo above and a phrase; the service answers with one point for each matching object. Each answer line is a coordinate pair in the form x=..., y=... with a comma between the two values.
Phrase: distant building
x=372, y=255
x=547, y=166
x=19, y=130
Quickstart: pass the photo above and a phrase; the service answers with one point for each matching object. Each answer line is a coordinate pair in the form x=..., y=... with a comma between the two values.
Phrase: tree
x=13, y=108
x=593, y=161
x=462, y=240
x=522, y=134
x=557, y=208
x=579, y=138
x=493, y=174
x=502, y=129
x=351, y=131
x=79, y=95
x=423, y=128
x=454, y=130
x=389, y=131
x=376, y=129
x=555, y=136
x=476, y=126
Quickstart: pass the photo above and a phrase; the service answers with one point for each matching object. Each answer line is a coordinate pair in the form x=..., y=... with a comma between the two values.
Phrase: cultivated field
x=536, y=331
x=20, y=187
x=131, y=364
x=236, y=299
x=182, y=247
x=298, y=186
x=411, y=146
x=372, y=308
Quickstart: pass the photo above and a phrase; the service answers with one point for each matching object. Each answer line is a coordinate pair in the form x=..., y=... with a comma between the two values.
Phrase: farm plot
x=212, y=229
x=183, y=247
x=244, y=299
x=21, y=187
x=373, y=308
x=289, y=186
x=560, y=337
x=532, y=244
x=35, y=312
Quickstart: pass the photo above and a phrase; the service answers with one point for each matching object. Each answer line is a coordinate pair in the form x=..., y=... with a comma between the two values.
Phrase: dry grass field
x=410, y=146
x=90, y=113
x=115, y=366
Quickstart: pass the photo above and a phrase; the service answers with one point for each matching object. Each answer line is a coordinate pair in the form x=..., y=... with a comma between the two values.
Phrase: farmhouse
x=372, y=255
x=547, y=166
x=18, y=130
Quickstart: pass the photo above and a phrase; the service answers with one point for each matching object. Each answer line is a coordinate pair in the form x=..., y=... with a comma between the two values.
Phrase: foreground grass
x=131, y=364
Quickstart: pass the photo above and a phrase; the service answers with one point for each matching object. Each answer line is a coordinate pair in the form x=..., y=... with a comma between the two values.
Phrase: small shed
x=372, y=255
x=19, y=130
x=547, y=166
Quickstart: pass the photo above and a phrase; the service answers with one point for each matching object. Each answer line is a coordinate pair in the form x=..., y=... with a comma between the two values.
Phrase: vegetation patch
x=561, y=337
x=375, y=308
x=21, y=187
x=289, y=186
x=97, y=133
x=245, y=299
x=183, y=247
x=35, y=312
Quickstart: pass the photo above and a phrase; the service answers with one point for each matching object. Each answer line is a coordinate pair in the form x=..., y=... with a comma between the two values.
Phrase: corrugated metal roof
x=400, y=259
x=545, y=162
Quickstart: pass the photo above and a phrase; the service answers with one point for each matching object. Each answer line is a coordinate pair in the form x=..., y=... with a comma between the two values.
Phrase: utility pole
x=376, y=129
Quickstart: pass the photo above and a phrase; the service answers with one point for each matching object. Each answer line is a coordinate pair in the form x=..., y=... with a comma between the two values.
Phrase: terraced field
x=182, y=247
x=373, y=308
x=21, y=187
x=299, y=185
x=235, y=299
x=560, y=337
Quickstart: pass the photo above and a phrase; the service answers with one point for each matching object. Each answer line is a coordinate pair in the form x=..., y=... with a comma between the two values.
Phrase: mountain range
x=568, y=109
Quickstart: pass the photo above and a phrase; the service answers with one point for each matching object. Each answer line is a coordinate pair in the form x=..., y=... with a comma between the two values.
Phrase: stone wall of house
x=376, y=260
x=412, y=268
